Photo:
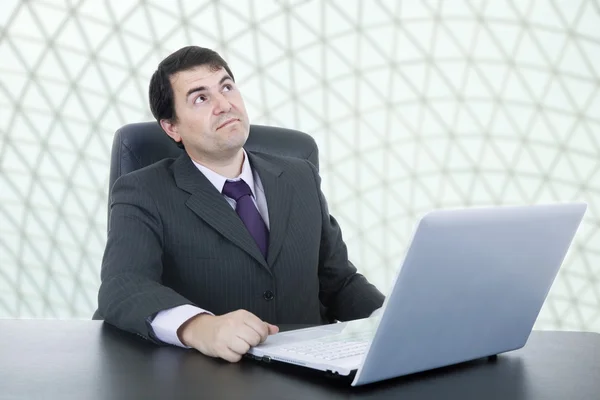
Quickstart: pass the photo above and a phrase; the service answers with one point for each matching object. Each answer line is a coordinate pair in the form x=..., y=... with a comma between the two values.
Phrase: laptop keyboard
x=333, y=347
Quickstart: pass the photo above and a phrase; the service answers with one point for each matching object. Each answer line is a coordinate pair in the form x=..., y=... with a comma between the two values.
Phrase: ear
x=171, y=129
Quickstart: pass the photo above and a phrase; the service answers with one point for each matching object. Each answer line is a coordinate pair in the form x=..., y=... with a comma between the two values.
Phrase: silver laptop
x=472, y=284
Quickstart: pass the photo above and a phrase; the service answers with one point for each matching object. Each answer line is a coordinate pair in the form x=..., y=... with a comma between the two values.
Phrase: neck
x=230, y=167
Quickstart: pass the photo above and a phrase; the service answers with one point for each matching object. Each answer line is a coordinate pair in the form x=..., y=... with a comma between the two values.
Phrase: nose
x=222, y=105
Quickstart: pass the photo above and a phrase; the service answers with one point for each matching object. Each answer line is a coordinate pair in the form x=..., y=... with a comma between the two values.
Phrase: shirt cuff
x=167, y=322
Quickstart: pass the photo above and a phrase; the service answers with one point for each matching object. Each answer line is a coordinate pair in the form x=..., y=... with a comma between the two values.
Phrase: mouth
x=228, y=122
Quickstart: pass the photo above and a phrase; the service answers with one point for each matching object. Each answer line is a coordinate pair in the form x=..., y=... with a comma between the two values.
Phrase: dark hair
x=162, y=103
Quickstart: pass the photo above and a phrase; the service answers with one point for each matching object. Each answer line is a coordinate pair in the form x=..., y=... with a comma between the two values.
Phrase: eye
x=200, y=99
x=227, y=87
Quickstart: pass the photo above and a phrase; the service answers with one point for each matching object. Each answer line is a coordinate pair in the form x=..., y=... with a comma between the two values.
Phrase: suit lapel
x=279, y=195
x=210, y=205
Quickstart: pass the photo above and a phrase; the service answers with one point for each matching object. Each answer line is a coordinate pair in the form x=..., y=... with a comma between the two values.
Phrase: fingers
x=239, y=346
x=264, y=329
x=249, y=335
x=229, y=355
x=257, y=325
x=236, y=332
x=273, y=329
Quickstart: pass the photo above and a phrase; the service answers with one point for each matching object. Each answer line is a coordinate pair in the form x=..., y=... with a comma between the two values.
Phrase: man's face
x=212, y=121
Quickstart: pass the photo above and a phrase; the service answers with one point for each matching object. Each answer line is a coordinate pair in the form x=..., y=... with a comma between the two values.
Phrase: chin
x=238, y=135
x=234, y=142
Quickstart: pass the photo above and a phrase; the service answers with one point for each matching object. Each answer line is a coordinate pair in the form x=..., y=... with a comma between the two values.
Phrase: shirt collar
x=218, y=181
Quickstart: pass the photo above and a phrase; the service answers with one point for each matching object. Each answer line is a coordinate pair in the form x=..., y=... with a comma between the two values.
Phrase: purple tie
x=241, y=193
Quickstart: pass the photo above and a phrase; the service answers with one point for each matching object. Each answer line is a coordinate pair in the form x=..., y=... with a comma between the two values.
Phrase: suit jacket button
x=268, y=295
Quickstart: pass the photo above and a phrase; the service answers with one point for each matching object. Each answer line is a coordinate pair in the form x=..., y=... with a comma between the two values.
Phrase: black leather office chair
x=140, y=144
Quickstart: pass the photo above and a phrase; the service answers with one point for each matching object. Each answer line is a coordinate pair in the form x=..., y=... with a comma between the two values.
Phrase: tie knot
x=236, y=190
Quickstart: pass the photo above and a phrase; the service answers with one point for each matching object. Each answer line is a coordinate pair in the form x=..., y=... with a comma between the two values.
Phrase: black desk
x=45, y=359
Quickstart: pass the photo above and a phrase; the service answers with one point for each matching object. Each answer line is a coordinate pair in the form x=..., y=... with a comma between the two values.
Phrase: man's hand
x=228, y=336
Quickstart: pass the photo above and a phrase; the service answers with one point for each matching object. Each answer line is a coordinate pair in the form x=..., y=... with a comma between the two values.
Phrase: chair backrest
x=141, y=144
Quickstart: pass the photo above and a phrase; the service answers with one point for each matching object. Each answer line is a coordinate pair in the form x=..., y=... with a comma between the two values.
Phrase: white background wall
x=415, y=105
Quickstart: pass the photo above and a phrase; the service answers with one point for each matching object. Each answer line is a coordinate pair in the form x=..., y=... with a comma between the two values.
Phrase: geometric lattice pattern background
x=414, y=104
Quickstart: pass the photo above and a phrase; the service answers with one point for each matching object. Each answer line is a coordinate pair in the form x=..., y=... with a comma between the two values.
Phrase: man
x=209, y=250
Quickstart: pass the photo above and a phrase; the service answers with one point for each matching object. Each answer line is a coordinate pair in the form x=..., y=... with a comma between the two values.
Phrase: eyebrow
x=202, y=88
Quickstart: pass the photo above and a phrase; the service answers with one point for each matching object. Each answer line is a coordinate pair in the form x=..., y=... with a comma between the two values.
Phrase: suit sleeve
x=131, y=290
x=343, y=291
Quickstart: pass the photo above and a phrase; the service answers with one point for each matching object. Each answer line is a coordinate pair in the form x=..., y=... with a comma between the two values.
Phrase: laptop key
x=331, y=349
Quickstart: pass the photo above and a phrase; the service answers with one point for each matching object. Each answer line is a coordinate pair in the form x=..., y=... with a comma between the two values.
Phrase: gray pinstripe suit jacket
x=174, y=240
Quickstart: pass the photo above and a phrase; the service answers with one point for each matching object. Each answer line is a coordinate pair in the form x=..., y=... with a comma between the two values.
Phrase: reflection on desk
x=92, y=360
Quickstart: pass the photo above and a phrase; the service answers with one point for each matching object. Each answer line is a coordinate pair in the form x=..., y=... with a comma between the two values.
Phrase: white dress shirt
x=167, y=322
